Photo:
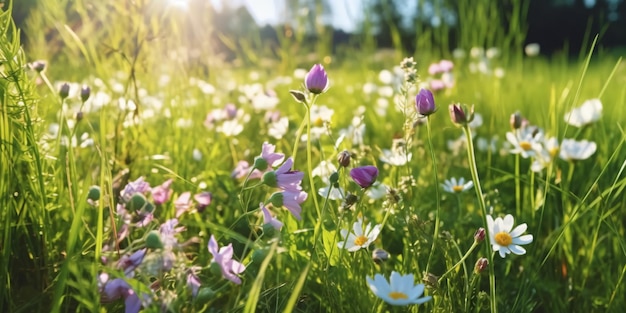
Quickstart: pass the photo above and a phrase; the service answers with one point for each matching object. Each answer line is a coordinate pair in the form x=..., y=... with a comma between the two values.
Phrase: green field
x=128, y=149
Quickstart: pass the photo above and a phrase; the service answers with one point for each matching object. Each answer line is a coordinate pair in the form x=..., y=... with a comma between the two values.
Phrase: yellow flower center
x=457, y=188
x=553, y=152
x=318, y=122
x=359, y=241
x=397, y=295
x=525, y=145
x=503, y=238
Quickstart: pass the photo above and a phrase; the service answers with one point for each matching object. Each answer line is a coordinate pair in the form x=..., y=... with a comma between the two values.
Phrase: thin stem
x=481, y=202
x=469, y=251
x=437, y=196
x=518, y=192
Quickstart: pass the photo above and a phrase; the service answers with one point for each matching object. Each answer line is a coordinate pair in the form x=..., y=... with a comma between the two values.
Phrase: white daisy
x=324, y=170
x=453, y=185
x=358, y=238
x=547, y=154
x=504, y=239
x=400, y=290
x=525, y=143
x=589, y=112
x=572, y=150
x=396, y=157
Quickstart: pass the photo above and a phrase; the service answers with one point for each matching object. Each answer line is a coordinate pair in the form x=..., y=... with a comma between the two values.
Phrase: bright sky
x=345, y=12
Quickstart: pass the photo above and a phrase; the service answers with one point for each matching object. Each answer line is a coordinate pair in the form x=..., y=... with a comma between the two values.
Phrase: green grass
x=54, y=241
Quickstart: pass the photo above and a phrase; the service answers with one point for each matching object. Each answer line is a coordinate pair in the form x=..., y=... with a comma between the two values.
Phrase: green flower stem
x=518, y=193
x=437, y=195
x=532, y=194
x=299, y=133
x=481, y=202
x=469, y=251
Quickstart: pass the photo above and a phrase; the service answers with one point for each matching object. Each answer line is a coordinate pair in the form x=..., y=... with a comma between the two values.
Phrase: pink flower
x=182, y=203
x=223, y=257
x=242, y=169
x=446, y=65
x=290, y=199
x=284, y=177
x=268, y=157
x=162, y=193
x=203, y=200
x=269, y=219
x=434, y=69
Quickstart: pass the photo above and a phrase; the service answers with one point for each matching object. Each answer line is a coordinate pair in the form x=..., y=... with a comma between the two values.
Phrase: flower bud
x=344, y=158
x=460, y=114
x=85, y=92
x=298, y=95
x=153, y=240
x=269, y=179
x=260, y=163
x=136, y=202
x=425, y=102
x=350, y=200
x=481, y=265
x=479, y=235
x=379, y=256
x=364, y=176
x=277, y=199
x=94, y=193
x=38, y=66
x=516, y=120
x=64, y=91
x=79, y=116
x=316, y=80
x=334, y=178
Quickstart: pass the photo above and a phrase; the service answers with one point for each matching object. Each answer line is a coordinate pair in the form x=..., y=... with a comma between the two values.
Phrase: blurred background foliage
x=212, y=31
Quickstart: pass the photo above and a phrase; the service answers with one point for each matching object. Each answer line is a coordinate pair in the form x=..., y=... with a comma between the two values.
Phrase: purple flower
x=269, y=219
x=193, y=281
x=365, y=176
x=268, y=157
x=203, y=200
x=316, y=80
x=230, y=110
x=168, y=231
x=223, y=257
x=290, y=199
x=425, y=102
x=284, y=177
x=137, y=186
x=162, y=193
x=118, y=288
x=130, y=262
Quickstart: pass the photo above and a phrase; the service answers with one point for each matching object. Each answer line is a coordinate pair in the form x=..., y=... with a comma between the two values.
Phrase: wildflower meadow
x=142, y=171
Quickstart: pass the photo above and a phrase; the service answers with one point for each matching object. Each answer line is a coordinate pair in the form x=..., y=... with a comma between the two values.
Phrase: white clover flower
x=572, y=150
x=589, y=112
x=532, y=49
x=504, y=239
x=358, y=238
x=453, y=185
x=400, y=290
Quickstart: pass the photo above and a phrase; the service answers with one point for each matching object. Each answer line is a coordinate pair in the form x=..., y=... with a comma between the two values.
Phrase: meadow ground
x=255, y=188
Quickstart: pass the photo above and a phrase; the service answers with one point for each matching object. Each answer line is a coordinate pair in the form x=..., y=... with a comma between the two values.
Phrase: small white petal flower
x=525, y=144
x=453, y=185
x=589, y=112
x=358, y=238
x=504, y=238
x=335, y=193
x=324, y=170
x=400, y=290
x=396, y=158
x=572, y=150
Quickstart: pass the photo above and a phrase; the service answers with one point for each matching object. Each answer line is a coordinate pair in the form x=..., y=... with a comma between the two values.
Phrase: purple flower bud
x=203, y=200
x=481, y=265
x=364, y=176
x=425, y=102
x=479, y=235
x=316, y=80
x=379, y=255
x=460, y=115
x=64, y=91
x=38, y=66
x=85, y=92
x=344, y=158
